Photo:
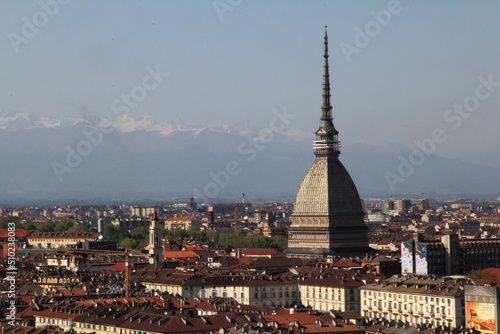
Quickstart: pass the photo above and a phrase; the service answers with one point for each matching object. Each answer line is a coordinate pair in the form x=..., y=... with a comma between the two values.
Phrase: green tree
x=128, y=243
x=175, y=234
x=46, y=227
x=141, y=234
x=4, y=222
x=64, y=225
x=29, y=225
x=116, y=233
x=77, y=228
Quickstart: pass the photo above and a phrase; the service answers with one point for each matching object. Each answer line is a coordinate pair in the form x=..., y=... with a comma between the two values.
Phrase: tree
x=77, y=228
x=116, y=233
x=141, y=234
x=28, y=225
x=64, y=225
x=4, y=222
x=128, y=243
x=46, y=227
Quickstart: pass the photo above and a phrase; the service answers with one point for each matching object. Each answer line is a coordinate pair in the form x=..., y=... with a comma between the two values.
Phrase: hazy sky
x=234, y=60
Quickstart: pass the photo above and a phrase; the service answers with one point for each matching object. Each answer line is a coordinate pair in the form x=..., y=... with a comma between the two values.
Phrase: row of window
x=50, y=321
x=408, y=297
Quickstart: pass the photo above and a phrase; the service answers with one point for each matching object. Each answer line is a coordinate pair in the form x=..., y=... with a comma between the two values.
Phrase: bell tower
x=155, y=241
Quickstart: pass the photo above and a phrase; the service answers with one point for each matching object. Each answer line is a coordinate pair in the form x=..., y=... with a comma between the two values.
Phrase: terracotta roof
x=19, y=233
x=180, y=254
x=491, y=272
x=18, y=329
x=120, y=266
x=261, y=251
x=246, y=260
x=343, y=263
x=69, y=235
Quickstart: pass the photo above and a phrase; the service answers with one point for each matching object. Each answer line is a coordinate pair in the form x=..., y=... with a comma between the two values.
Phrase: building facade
x=416, y=301
x=449, y=256
x=182, y=223
x=59, y=239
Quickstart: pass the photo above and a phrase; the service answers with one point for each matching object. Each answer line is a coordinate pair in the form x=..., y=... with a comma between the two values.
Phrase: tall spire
x=326, y=142
x=327, y=108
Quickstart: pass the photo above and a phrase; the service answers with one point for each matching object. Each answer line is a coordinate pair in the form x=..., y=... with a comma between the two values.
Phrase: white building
x=414, y=300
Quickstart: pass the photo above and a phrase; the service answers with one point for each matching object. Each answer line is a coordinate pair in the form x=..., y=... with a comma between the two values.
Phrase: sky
x=397, y=68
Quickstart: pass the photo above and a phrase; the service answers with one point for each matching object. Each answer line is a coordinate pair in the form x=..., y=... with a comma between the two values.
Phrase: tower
x=328, y=215
x=155, y=243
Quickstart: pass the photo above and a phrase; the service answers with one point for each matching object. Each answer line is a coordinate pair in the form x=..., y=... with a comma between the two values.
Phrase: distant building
x=229, y=208
x=59, y=239
x=182, y=223
x=139, y=211
x=192, y=204
x=67, y=261
x=131, y=224
x=402, y=205
x=423, y=205
x=387, y=207
x=449, y=256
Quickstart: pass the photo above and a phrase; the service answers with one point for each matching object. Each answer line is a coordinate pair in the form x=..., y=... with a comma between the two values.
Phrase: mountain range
x=86, y=158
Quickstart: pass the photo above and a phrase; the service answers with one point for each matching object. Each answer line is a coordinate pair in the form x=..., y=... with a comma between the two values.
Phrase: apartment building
x=416, y=300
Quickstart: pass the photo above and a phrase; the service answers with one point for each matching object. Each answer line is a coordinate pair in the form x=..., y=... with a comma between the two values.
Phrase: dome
x=327, y=190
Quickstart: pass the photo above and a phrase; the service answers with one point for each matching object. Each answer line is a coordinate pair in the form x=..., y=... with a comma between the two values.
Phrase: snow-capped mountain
x=93, y=158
